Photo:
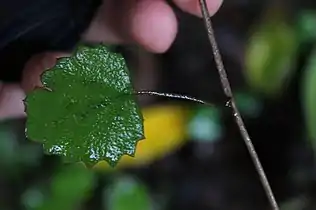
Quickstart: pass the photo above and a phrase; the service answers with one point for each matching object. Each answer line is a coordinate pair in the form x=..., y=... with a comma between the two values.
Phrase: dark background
x=200, y=174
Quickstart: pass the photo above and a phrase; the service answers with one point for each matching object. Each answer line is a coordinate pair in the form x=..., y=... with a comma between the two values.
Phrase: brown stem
x=172, y=95
x=231, y=103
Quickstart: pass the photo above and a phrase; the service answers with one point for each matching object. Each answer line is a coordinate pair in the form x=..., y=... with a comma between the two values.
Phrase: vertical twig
x=232, y=104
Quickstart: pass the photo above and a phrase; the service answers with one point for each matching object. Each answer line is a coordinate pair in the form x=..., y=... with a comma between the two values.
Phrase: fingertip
x=193, y=6
x=154, y=25
x=34, y=68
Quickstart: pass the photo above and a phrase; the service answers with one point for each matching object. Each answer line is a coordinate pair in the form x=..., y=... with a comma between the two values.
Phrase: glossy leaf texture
x=169, y=118
x=86, y=110
x=309, y=97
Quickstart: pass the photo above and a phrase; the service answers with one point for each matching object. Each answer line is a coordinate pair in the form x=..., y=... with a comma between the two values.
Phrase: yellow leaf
x=165, y=131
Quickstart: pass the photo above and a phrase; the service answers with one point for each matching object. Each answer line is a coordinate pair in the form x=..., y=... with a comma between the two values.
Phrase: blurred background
x=193, y=156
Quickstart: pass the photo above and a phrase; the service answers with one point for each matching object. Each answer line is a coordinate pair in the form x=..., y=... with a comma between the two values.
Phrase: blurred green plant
x=127, y=193
x=7, y=144
x=269, y=58
x=16, y=152
x=205, y=124
x=309, y=97
x=68, y=189
x=294, y=204
x=248, y=104
x=307, y=26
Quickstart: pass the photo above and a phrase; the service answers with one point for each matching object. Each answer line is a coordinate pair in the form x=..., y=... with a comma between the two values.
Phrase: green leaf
x=68, y=190
x=87, y=110
x=309, y=97
x=71, y=184
x=270, y=55
x=307, y=25
x=128, y=193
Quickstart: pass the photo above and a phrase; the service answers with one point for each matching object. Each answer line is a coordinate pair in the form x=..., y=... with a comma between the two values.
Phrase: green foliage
x=293, y=204
x=205, y=123
x=270, y=54
x=128, y=193
x=309, y=97
x=75, y=177
x=86, y=110
x=307, y=26
x=7, y=144
x=13, y=156
x=69, y=187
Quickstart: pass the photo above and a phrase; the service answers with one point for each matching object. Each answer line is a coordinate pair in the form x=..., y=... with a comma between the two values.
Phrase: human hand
x=151, y=24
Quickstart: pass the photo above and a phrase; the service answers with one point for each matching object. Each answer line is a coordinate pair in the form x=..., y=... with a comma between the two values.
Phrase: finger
x=152, y=24
x=11, y=101
x=193, y=6
x=12, y=95
x=34, y=68
x=103, y=27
